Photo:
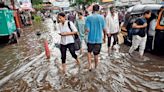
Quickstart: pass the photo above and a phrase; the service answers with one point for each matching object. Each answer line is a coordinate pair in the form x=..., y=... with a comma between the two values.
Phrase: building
x=104, y=1
x=8, y=3
x=60, y=3
x=134, y=2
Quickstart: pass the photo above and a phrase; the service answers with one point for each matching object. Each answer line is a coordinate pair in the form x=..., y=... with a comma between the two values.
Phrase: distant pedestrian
x=126, y=26
x=86, y=13
x=54, y=19
x=95, y=26
x=80, y=24
x=151, y=32
x=71, y=17
x=2, y=5
x=112, y=26
x=67, y=40
x=121, y=15
x=140, y=37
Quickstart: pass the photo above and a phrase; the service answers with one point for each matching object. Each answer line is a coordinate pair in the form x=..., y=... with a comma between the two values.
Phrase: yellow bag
x=120, y=38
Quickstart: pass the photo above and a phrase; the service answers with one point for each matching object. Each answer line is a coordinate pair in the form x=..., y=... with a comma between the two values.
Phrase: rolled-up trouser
x=63, y=49
x=115, y=39
x=138, y=41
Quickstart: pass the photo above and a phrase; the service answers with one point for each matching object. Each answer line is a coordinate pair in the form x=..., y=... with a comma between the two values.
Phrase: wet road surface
x=29, y=46
x=115, y=73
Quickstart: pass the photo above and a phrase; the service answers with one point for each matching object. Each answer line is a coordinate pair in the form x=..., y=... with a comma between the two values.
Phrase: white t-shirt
x=152, y=27
x=112, y=23
x=64, y=28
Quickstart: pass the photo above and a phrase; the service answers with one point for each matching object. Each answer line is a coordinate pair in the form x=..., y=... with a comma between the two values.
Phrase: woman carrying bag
x=67, y=39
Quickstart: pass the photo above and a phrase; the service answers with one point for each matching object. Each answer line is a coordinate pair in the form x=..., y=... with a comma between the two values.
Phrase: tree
x=84, y=2
x=36, y=2
x=38, y=7
x=91, y=1
x=87, y=2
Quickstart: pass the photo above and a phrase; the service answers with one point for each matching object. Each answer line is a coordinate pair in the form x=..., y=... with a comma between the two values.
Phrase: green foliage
x=36, y=2
x=38, y=7
x=86, y=2
x=91, y=1
x=79, y=1
x=37, y=19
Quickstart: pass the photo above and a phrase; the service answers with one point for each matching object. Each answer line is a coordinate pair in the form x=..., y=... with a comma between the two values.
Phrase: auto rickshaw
x=7, y=26
x=159, y=36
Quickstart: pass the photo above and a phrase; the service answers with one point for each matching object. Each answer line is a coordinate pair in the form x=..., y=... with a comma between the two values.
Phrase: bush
x=37, y=19
x=38, y=7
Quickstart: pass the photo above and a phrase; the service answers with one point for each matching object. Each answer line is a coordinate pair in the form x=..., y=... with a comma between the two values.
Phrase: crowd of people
x=93, y=30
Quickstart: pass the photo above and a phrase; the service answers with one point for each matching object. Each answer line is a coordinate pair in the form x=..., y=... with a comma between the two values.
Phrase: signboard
x=107, y=1
x=25, y=4
x=61, y=3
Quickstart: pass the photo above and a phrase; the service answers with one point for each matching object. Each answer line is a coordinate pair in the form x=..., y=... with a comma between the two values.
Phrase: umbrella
x=130, y=9
x=153, y=7
x=138, y=9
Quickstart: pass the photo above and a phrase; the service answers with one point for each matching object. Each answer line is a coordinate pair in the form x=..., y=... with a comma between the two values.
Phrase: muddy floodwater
x=118, y=72
x=29, y=46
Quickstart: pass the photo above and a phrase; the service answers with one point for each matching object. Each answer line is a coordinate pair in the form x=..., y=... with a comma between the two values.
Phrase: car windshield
x=162, y=20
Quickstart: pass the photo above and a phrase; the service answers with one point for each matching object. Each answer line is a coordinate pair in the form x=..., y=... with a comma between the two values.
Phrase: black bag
x=135, y=31
x=77, y=43
x=141, y=32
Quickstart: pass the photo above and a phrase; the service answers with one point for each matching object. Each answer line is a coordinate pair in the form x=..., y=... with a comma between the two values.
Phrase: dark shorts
x=95, y=48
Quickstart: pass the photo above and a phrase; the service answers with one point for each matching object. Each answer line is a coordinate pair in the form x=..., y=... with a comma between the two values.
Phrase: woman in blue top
x=80, y=24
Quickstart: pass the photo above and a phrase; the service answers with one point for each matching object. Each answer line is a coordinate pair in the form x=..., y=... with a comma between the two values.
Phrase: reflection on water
x=116, y=73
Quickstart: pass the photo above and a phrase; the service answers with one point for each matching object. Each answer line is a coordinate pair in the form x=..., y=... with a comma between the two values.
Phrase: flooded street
x=115, y=73
x=29, y=46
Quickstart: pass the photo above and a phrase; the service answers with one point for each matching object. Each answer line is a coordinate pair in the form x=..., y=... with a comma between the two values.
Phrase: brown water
x=116, y=73
x=16, y=55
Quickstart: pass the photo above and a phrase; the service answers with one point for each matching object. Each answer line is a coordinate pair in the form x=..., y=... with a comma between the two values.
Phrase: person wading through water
x=67, y=39
x=95, y=26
